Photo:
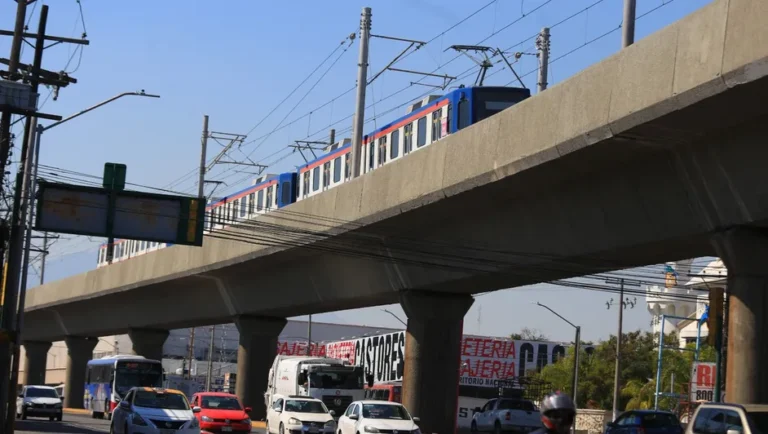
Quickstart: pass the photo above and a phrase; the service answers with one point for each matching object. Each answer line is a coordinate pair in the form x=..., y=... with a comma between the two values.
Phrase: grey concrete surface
x=638, y=159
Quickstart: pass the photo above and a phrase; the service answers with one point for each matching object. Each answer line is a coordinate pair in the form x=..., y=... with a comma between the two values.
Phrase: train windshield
x=490, y=100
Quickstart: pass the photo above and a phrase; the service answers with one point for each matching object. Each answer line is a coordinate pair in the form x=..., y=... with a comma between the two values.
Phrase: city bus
x=108, y=380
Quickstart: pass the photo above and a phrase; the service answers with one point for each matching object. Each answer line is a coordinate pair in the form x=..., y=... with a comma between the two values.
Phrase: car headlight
x=138, y=420
x=247, y=421
x=371, y=429
x=28, y=404
x=207, y=419
x=416, y=431
x=294, y=421
x=58, y=405
x=194, y=423
x=330, y=424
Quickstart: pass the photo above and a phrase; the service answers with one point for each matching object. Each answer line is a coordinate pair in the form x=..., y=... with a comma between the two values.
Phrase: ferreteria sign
x=486, y=361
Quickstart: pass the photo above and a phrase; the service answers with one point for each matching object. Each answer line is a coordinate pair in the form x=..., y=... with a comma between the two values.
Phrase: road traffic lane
x=74, y=424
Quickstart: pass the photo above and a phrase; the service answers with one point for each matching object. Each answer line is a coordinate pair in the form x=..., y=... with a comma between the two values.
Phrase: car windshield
x=385, y=411
x=305, y=406
x=659, y=420
x=35, y=392
x=221, y=403
x=169, y=401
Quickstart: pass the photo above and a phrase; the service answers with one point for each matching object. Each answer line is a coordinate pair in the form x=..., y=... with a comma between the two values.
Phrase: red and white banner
x=703, y=381
x=485, y=361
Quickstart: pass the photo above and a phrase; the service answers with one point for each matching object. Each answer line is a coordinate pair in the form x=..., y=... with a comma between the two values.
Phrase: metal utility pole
x=309, y=336
x=13, y=66
x=362, y=82
x=542, y=44
x=203, y=146
x=10, y=354
x=209, y=375
x=191, y=351
x=628, y=24
x=622, y=304
x=45, y=238
x=576, y=349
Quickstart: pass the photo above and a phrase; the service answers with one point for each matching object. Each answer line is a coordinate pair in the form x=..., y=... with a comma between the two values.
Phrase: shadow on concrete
x=45, y=426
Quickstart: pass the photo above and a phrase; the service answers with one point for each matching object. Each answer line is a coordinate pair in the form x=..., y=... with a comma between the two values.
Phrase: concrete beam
x=148, y=342
x=36, y=361
x=745, y=252
x=79, y=352
x=255, y=354
x=432, y=357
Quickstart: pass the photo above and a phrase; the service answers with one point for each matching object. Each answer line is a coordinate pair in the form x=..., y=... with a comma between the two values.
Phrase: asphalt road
x=72, y=424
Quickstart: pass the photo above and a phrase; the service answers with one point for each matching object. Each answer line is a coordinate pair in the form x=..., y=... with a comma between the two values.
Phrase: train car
x=425, y=122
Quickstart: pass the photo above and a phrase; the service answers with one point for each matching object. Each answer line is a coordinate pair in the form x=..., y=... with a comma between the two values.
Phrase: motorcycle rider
x=557, y=414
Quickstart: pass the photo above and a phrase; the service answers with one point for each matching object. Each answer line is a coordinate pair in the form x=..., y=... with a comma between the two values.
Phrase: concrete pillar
x=745, y=253
x=255, y=354
x=148, y=342
x=79, y=352
x=432, y=357
x=36, y=361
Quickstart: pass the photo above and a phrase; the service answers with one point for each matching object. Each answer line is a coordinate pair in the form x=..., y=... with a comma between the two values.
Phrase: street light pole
x=576, y=349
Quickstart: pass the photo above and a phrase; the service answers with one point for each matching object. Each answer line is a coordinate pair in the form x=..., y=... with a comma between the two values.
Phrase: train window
x=436, y=118
x=337, y=169
x=347, y=166
x=421, y=132
x=251, y=203
x=407, y=139
x=260, y=201
x=382, y=150
x=235, y=207
x=371, y=152
x=134, y=245
x=394, y=145
x=326, y=174
x=269, y=196
x=448, y=115
x=286, y=192
x=316, y=178
x=306, y=183
x=463, y=112
x=243, y=207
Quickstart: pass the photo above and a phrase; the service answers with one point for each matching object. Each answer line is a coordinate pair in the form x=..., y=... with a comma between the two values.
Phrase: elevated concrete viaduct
x=656, y=153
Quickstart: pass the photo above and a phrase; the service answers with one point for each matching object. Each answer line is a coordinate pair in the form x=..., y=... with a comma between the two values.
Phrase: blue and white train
x=426, y=122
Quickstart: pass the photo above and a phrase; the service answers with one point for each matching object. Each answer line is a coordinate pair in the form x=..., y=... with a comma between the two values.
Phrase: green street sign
x=114, y=176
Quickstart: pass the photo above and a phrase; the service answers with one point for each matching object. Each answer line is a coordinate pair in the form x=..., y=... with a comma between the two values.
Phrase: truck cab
x=722, y=418
x=333, y=381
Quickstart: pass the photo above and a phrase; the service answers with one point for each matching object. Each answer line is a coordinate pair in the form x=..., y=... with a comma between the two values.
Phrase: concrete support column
x=433, y=357
x=148, y=342
x=745, y=253
x=36, y=360
x=79, y=351
x=257, y=351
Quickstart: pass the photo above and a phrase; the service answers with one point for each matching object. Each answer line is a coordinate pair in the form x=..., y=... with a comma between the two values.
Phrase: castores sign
x=485, y=361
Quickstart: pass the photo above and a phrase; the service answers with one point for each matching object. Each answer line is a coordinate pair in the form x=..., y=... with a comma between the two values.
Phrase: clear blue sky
x=236, y=60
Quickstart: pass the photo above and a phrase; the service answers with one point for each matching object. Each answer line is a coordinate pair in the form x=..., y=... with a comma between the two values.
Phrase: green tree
x=638, y=371
x=527, y=334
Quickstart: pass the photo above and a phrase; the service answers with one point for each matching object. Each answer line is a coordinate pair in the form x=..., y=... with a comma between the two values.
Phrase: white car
x=146, y=410
x=299, y=415
x=377, y=416
x=40, y=401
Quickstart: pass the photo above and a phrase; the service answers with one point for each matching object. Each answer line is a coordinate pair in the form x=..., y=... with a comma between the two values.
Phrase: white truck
x=506, y=414
x=722, y=418
x=333, y=381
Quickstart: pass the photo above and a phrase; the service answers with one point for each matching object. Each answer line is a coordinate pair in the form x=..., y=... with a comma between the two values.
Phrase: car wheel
x=497, y=428
x=51, y=418
x=473, y=427
x=60, y=417
x=281, y=429
x=23, y=414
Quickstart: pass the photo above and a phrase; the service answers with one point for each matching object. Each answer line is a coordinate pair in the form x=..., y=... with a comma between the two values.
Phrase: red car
x=221, y=413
